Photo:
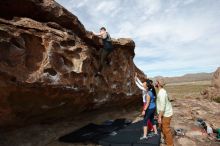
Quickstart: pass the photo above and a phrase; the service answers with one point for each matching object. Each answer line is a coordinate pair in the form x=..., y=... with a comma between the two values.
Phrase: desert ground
x=187, y=102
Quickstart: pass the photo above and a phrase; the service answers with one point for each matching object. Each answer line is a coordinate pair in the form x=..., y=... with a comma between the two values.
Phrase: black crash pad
x=130, y=136
x=111, y=133
x=93, y=133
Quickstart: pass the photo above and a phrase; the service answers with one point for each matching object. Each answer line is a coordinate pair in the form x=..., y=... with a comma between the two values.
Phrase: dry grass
x=186, y=90
x=217, y=99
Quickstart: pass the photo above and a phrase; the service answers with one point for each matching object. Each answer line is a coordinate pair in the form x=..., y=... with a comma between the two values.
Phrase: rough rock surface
x=48, y=63
x=213, y=92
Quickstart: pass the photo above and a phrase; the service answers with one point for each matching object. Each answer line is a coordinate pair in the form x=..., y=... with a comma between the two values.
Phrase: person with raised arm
x=149, y=108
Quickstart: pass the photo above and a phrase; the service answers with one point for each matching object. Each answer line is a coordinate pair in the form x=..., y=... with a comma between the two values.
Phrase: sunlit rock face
x=216, y=79
x=213, y=92
x=48, y=62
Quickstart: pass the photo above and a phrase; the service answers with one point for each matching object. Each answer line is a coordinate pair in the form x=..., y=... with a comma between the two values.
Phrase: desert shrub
x=217, y=99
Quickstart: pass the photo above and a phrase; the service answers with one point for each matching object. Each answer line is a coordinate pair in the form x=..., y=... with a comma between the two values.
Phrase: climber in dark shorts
x=107, y=48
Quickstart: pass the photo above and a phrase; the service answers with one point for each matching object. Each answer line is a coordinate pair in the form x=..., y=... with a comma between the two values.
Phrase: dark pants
x=103, y=58
x=149, y=115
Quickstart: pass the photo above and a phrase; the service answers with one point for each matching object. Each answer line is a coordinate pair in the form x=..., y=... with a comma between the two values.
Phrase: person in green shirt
x=164, y=111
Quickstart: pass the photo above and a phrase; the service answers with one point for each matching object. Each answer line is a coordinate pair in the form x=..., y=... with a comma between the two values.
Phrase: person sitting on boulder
x=149, y=108
x=107, y=48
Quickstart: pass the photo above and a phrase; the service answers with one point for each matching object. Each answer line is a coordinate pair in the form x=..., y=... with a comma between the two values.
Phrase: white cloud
x=106, y=7
x=149, y=7
x=174, y=35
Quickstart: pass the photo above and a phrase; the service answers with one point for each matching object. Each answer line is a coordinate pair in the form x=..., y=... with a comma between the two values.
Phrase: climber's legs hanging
x=103, y=59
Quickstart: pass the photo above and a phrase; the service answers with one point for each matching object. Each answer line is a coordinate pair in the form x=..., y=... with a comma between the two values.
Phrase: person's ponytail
x=154, y=91
x=151, y=87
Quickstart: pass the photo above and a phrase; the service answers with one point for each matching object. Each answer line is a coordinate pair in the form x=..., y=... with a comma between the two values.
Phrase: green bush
x=217, y=99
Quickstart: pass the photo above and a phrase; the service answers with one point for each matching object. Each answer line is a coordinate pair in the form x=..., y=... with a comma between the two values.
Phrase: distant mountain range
x=188, y=78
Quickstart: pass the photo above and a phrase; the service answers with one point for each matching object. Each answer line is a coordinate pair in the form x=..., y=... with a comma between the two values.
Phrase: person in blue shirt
x=150, y=106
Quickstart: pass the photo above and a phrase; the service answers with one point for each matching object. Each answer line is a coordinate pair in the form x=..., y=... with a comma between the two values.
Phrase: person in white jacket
x=141, y=86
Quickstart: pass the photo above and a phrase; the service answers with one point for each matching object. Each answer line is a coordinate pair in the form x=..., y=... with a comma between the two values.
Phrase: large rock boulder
x=216, y=79
x=213, y=92
x=48, y=63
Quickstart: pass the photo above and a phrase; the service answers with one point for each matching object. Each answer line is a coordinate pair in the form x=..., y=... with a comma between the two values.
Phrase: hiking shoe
x=151, y=134
x=144, y=138
x=162, y=141
x=155, y=134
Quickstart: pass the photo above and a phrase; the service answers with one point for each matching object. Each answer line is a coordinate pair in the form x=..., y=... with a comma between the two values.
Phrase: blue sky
x=172, y=37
